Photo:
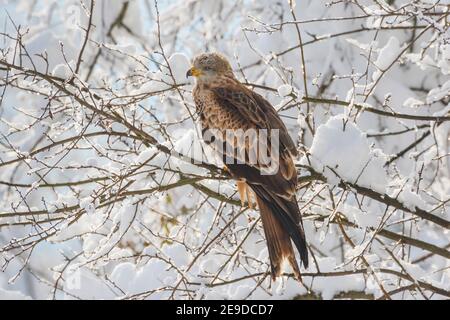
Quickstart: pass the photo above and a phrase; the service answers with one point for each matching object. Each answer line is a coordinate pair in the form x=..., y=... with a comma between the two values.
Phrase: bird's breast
x=215, y=115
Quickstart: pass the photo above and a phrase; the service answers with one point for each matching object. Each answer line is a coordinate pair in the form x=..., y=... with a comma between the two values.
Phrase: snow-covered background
x=94, y=203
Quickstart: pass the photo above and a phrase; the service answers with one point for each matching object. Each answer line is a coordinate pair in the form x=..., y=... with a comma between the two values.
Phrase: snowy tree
x=100, y=194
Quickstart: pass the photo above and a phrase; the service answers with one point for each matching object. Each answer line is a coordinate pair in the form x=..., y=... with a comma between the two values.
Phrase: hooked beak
x=193, y=72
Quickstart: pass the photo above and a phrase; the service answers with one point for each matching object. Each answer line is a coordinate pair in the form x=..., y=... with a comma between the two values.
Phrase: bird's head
x=207, y=66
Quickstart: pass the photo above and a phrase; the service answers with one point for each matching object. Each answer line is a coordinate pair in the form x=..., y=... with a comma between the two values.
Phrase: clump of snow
x=87, y=204
x=135, y=279
x=361, y=218
x=284, y=90
x=301, y=121
x=439, y=93
x=342, y=151
x=62, y=71
x=12, y=295
x=146, y=155
x=363, y=46
x=329, y=287
x=159, y=81
x=412, y=103
x=388, y=53
x=179, y=64
x=188, y=144
x=444, y=61
x=410, y=199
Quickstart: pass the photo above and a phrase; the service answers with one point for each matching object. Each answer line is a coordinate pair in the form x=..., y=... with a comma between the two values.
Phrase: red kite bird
x=224, y=103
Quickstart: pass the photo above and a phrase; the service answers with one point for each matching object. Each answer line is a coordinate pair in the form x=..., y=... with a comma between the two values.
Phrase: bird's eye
x=207, y=68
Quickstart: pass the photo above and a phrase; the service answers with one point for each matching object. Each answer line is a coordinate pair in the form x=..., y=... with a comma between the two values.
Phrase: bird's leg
x=242, y=188
x=249, y=197
x=245, y=193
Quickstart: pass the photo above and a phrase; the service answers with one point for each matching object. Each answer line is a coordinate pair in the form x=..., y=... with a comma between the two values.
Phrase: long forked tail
x=280, y=223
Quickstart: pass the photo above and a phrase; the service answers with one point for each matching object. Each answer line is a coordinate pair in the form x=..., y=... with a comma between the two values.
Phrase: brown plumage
x=224, y=103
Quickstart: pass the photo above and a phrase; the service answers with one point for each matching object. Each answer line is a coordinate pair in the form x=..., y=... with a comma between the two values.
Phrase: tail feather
x=278, y=242
x=280, y=228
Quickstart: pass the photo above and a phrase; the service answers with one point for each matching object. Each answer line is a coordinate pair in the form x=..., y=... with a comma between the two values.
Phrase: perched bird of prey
x=223, y=103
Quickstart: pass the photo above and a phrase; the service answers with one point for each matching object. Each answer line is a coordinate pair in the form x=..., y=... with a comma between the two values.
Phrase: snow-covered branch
x=104, y=187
